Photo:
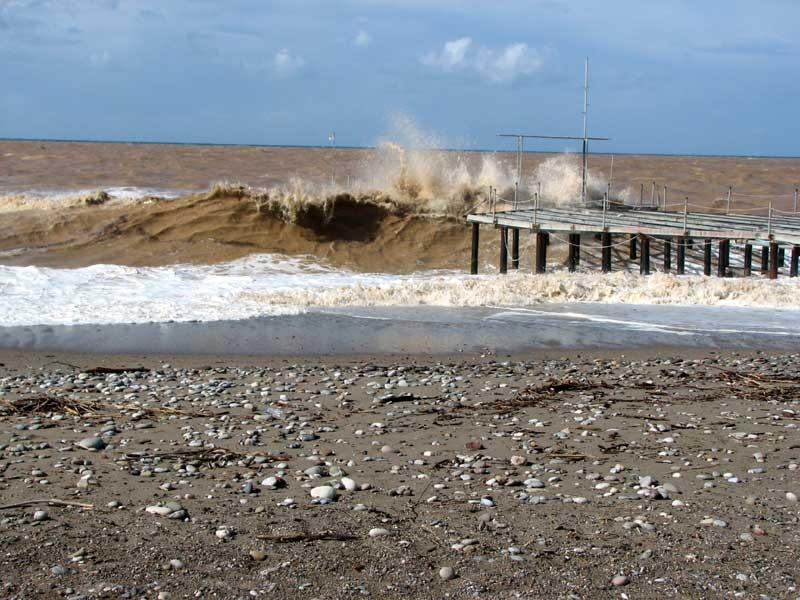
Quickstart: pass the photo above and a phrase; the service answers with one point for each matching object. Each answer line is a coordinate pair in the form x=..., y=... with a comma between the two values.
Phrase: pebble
x=711, y=522
x=40, y=515
x=324, y=492
x=378, y=532
x=447, y=573
x=161, y=511
x=791, y=497
x=274, y=483
x=92, y=443
x=620, y=580
x=258, y=555
x=348, y=484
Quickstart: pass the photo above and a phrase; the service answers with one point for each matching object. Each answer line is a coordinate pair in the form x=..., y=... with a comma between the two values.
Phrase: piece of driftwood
x=108, y=370
x=49, y=502
x=308, y=537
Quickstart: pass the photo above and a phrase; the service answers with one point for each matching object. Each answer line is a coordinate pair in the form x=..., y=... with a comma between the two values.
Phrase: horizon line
x=347, y=147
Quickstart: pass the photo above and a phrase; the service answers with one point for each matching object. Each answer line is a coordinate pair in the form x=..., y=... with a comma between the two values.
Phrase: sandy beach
x=589, y=475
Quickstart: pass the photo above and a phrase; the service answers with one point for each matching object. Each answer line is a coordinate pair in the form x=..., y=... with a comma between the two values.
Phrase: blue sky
x=710, y=77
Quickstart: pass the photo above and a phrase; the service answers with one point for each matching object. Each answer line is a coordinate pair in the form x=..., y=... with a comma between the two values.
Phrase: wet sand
x=649, y=474
x=444, y=331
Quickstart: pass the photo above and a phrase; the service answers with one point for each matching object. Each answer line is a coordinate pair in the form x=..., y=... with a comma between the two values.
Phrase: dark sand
x=653, y=474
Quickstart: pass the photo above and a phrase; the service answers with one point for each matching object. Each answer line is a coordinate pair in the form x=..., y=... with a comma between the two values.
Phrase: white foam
x=11, y=200
x=274, y=285
x=461, y=290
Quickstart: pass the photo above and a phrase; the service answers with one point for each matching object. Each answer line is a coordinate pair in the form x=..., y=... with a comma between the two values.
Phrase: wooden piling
x=573, y=251
x=633, y=247
x=722, y=258
x=644, y=261
x=707, y=258
x=577, y=248
x=605, y=242
x=748, y=259
x=764, y=259
x=773, y=260
x=681, y=256
x=781, y=257
x=473, y=265
x=667, y=255
x=515, y=248
x=794, y=261
x=727, y=257
x=542, y=240
x=503, y=250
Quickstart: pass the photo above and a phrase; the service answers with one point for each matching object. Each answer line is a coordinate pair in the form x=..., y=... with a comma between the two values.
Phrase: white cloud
x=515, y=61
x=497, y=66
x=285, y=63
x=100, y=59
x=452, y=55
x=362, y=38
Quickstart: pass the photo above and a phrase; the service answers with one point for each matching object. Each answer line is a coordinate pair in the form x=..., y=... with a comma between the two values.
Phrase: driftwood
x=87, y=408
x=49, y=502
x=107, y=370
x=211, y=455
x=308, y=537
x=50, y=404
x=543, y=394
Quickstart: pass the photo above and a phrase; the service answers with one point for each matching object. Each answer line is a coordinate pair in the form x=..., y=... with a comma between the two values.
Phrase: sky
x=686, y=77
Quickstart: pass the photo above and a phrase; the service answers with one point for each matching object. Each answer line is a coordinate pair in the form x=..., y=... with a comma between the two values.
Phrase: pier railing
x=774, y=232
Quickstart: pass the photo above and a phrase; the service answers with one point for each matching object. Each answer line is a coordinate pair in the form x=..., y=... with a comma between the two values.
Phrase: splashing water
x=560, y=179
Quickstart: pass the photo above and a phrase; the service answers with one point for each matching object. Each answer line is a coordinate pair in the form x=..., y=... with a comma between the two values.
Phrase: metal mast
x=585, y=139
x=585, y=130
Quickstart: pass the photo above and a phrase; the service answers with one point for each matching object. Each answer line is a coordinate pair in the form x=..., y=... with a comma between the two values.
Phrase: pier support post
x=748, y=259
x=764, y=259
x=794, y=261
x=515, y=248
x=605, y=243
x=773, y=260
x=473, y=265
x=722, y=263
x=667, y=255
x=707, y=258
x=781, y=257
x=681, y=256
x=542, y=240
x=503, y=250
x=574, y=251
x=644, y=260
x=633, y=248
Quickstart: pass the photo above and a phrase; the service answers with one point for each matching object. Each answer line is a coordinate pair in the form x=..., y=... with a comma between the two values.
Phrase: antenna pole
x=585, y=130
x=520, y=142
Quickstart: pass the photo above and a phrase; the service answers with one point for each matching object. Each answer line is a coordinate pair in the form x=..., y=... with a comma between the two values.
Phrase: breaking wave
x=262, y=285
x=526, y=289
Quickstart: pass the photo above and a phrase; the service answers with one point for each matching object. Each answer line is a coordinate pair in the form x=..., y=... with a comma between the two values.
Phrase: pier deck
x=783, y=229
x=775, y=231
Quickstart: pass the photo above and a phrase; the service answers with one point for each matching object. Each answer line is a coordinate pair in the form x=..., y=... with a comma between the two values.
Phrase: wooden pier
x=774, y=233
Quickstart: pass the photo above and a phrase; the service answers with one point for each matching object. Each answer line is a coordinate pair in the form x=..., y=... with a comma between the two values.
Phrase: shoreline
x=427, y=330
x=569, y=474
